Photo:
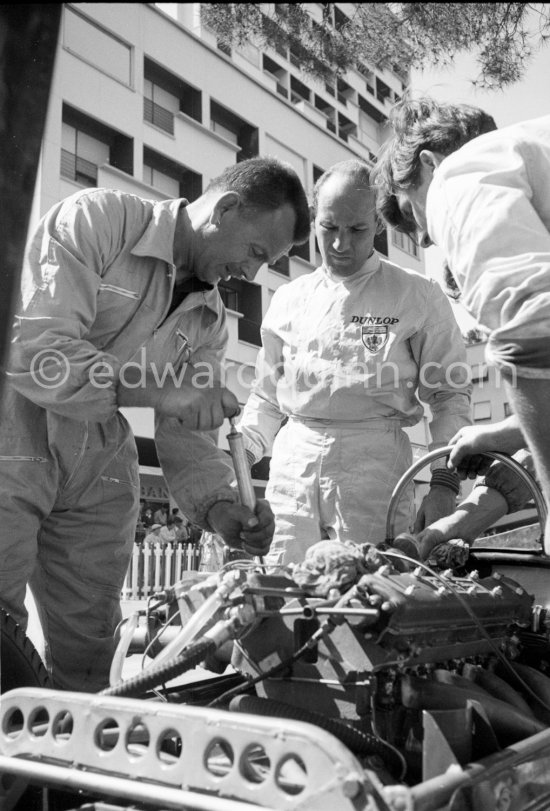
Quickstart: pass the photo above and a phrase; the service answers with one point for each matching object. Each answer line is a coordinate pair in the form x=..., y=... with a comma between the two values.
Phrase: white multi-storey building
x=144, y=100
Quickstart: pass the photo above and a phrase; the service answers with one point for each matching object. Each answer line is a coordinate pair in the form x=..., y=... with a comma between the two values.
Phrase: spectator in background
x=147, y=518
x=161, y=515
x=152, y=536
x=182, y=535
x=167, y=532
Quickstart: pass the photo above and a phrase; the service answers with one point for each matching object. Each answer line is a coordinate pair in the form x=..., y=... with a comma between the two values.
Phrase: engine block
x=392, y=623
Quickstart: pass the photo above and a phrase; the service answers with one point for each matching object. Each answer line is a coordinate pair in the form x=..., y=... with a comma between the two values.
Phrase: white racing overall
x=346, y=361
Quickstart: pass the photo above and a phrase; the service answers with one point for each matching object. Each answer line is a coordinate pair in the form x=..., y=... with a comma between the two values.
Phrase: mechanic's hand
x=198, y=409
x=241, y=528
x=438, y=503
x=431, y=537
x=470, y=442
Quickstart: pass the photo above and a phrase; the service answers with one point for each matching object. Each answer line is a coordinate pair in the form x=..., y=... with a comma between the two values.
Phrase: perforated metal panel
x=266, y=762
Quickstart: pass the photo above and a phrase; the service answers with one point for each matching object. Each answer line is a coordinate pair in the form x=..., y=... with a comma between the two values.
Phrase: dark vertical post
x=28, y=42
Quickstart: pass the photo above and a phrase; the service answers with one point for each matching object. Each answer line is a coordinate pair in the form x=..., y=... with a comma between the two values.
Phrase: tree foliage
x=504, y=36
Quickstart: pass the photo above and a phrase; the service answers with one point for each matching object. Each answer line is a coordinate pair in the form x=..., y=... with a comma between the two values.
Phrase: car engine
x=373, y=683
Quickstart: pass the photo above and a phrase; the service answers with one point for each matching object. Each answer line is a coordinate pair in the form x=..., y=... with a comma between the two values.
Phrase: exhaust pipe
x=509, y=724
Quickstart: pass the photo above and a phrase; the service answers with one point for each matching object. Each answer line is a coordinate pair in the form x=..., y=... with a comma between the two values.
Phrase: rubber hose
x=193, y=655
x=359, y=742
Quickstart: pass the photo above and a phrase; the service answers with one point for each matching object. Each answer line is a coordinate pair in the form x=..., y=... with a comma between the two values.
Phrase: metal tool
x=242, y=470
x=240, y=463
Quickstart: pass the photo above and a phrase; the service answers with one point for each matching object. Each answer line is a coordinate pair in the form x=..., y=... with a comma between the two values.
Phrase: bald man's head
x=345, y=217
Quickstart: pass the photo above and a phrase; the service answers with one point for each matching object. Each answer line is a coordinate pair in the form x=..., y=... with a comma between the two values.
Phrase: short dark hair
x=420, y=124
x=267, y=184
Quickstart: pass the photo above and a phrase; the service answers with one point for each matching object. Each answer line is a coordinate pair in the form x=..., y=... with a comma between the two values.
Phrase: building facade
x=144, y=99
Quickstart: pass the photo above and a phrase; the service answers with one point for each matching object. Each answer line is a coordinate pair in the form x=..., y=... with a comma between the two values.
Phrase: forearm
x=475, y=514
x=260, y=422
x=471, y=518
x=199, y=474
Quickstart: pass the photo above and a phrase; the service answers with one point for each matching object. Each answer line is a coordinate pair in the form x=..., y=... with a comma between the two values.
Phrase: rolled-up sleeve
x=198, y=473
x=482, y=213
x=51, y=361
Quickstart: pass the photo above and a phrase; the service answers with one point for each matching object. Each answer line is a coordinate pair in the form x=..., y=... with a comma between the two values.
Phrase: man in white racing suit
x=348, y=352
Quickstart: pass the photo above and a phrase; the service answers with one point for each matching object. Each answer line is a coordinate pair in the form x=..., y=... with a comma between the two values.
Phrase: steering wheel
x=409, y=474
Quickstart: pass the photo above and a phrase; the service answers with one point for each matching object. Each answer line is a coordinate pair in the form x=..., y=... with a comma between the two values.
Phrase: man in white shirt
x=347, y=351
x=481, y=195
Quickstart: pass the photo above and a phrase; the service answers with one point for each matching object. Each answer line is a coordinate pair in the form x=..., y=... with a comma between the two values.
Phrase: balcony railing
x=78, y=169
x=159, y=116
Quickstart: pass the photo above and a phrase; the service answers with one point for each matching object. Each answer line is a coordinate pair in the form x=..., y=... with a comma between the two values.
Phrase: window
x=482, y=410
x=383, y=92
x=344, y=91
x=171, y=178
x=244, y=298
x=270, y=66
x=229, y=296
x=235, y=129
x=159, y=114
x=76, y=144
x=300, y=250
x=404, y=243
x=328, y=111
x=381, y=242
x=166, y=94
x=298, y=91
x=480, y=371
x=508, y=410
x=345, y=127
x=282, y=266
x=87, y=144
x=371, y=110
x=370, y=78
x=97, y=46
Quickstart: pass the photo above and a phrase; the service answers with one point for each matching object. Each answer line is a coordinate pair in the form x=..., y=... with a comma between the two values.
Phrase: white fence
x=153, y=568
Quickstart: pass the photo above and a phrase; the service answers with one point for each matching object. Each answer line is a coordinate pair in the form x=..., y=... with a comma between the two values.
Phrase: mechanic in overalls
x=348, y=352
x=449, y=177
x=119, y=300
